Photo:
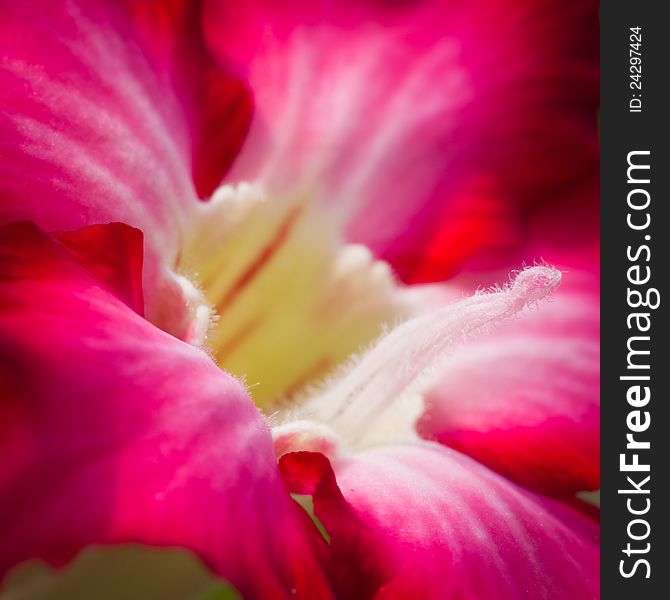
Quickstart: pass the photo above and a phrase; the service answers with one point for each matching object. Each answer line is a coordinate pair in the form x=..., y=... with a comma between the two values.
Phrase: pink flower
x=208, y=204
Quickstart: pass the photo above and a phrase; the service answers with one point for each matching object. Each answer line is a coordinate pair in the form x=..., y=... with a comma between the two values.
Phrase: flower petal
x=112, y=431
x=102, y=120
x=437, y=129
x=427, y=522
x=524, y=400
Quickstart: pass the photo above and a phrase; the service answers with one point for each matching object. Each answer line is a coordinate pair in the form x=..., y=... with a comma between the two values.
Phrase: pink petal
x=437, y=129
x=568, y=231
x=422, y=521
x=524, y=400
x=113, y=431
x=103, y=120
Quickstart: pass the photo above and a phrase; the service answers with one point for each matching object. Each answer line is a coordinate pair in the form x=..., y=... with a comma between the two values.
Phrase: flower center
x=290, y=299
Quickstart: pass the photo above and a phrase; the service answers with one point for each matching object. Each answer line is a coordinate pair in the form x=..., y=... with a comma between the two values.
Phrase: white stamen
x=379, y=396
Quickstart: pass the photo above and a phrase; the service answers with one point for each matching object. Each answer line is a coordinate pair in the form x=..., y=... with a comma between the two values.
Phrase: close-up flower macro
x=299, y=299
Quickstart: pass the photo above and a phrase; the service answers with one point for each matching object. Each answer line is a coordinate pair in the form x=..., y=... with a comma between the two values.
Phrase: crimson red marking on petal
x=112, y=254
x=359, y=565
x=302, y=471
x=224, y=122
x=555, y=471
x=477, y=220
x=219, y=105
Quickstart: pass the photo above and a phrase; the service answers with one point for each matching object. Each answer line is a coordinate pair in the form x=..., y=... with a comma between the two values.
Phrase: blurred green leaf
x=590, y=497
x=221, y=592
x=128, y=572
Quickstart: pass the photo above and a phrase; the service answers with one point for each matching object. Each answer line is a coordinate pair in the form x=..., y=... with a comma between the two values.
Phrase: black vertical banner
x=635, y=189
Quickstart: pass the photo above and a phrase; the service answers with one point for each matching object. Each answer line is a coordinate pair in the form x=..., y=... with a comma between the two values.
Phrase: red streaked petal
x=102, y=118
x=112, y=254
x=216, y=105
x=112, y=430
x=524, y=399
x=427, y=522
x=418, y=119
